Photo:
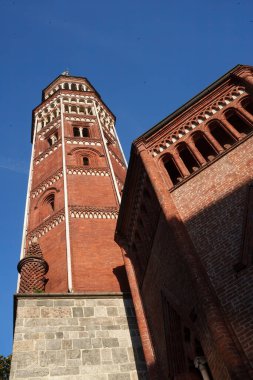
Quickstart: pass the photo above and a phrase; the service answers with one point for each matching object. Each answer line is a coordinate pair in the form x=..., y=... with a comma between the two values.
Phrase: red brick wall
x=96, y=258
x=212, y=206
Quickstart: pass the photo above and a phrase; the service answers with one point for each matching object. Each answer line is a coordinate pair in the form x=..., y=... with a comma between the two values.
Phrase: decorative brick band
x=48, y=225
x=53, y=124
x=121, y=163
x=47, y=153
x=80, y=170
x=81, y=141
x=182, y=130
x=93, y=212
x=47, y=183
x=72, y=118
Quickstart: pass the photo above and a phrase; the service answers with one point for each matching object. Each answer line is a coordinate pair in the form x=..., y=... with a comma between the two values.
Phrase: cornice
x=226, y=80
x=191, y=119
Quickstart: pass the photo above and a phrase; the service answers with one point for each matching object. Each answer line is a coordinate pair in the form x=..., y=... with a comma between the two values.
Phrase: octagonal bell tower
x=74, y=311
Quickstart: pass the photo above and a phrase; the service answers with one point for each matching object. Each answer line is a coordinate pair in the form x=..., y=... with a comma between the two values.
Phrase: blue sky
x=146, y=58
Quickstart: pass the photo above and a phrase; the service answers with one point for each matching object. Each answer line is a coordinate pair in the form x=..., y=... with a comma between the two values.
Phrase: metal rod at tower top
x=66, y=206
x=27, y=202
x=107, y=155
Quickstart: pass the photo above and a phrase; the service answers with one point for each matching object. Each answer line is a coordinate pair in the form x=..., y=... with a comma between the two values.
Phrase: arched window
x=172, y=170
x=76, y=131
x=74, y=109
x=240, y=124
x=86, y=132
x=247, y=104
x=204, y=147
x=49, y=200
x=85, y=161
x=187, y=157
x=221, y=135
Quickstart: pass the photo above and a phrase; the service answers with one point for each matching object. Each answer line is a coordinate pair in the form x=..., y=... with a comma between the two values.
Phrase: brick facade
x=184, y=224
x=75, y=318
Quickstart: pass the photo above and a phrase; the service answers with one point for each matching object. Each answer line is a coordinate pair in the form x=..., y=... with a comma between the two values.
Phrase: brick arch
x=47, y=203
x=44, y=195
x=91, y=154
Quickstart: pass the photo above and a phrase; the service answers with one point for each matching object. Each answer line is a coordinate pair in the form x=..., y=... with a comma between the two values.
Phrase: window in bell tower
x=85, y=132
x=85, y=161
x=76, y=132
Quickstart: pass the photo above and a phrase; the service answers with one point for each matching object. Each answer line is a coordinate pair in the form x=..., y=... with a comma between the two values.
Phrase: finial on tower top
x=66, y=73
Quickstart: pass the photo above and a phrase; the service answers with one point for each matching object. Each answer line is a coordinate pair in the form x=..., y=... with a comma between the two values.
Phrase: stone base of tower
x=74, y=337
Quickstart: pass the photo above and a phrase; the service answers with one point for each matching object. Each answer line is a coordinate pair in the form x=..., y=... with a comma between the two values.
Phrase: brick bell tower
x=74, y=314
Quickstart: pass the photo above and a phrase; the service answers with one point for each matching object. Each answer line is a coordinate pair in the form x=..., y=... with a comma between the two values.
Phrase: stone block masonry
x=74, y=337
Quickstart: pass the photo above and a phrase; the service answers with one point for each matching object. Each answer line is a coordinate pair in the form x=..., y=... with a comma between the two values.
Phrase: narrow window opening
x=66, y=87
x=188, y=159
x=173, y=171
x=74, y=109
x=50, y=142
x=205, y=148
x=50, y=201
x=238, y=123
x=221, y=135
x=76, y=131
x=248, y=105
x=85, y=161
x=86, y=132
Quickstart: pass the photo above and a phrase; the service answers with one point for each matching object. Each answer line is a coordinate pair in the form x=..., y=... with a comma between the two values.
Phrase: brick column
x=246, y=114
x=232, y=130
x=213, y=141
x=179, y=162
x=196, y=152
x=226, y=343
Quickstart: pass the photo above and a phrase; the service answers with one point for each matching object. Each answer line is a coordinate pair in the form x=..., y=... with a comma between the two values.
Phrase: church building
x=142, y=273
x=186, y=225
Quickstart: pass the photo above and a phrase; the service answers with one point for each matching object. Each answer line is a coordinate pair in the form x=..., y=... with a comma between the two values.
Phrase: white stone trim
x=108, y=156
x=68, y=249
x=27, y=203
